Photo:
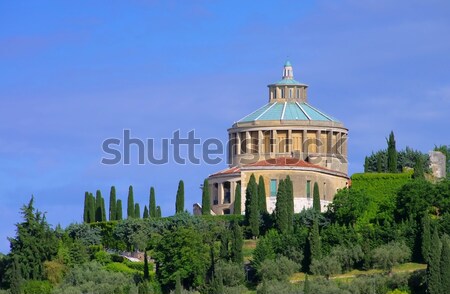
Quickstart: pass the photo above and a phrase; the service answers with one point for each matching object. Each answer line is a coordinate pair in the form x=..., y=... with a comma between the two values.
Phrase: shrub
x=389, y=255
x=54, y=271
x=102, y=257
x=36, y=287
x=120, y=268
x=326, y=266
x=279, y=269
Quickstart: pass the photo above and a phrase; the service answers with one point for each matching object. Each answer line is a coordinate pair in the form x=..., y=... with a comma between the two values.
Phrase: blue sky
x=73, y=73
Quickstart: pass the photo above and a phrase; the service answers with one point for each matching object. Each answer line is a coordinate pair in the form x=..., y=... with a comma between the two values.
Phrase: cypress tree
x=262, y=195
x=224, y=240
x=130, y=204
x=316, y=198
x=366, y=164
x=252, y=206
x=290, y=202
x=86, y=208
x=179, y=203
x=379, y=163
x=146, y=270
x=98, y=206
x=112, y=204
x=392, y=154
x=91, y=208
x=206, y=199
x=237, y=243
x=103, y=210
x=314, y=239
x=434, y=265
x=119, y=210
x=158, y=211
x=445, y=265
x=16, y=277
x=137, y=211
x=418, y=168
x=281, y=208
x=237, y=209
x=145, y=212
x=426, y=238
x=152, y=204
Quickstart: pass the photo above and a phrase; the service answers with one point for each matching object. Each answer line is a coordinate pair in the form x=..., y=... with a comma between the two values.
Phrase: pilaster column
x=275, y=142
x=220, y=193
x=289, y=141
x=305, y=144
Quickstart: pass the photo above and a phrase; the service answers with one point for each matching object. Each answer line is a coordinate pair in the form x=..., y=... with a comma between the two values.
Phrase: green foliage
x=181, y=250
x=389, y=255
x=130, y=203
x=36, y=287
x=54, y=271
x=102, y=257
x=407, y=158
x=279, y=269
x=146, y=267
x=237, y=200
x=275, y=286
x=348, y=255
x=252, y=216
x=419, y=173
x=264, y=249
x=414, y=200
x=152, y=203
x=262, y=195
x=92, y=278
x=137, y=211
x=391, y=153
x=158, y=211
x=237, y=243
x=145, y=215
x=314, y=241
x=86, y=234
x=112, y=204
x=206, y=199
x=133, y=233
x=35, y=242
x=434, y=279
x=98, y=206
x=91, y=208
x=232, y=274
x=15, y=276
x=119, y=210
x=316, y=198
x=426, y=238
x=86, y=208
x=284, y=209
x=119, y=267
x=326, y=266
x=179, y=203
x=445, y=265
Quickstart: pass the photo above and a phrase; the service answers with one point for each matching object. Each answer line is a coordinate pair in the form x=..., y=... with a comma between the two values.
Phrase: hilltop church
x=286, y=136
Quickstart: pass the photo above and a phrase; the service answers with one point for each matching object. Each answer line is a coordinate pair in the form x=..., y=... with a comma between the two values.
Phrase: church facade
x=286, y=136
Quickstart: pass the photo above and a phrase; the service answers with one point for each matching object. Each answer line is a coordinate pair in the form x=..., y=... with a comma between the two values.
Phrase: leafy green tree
x=252, y=206
x=98, y=206
x=262, y=195
x=237, y=200
x=316, y=198
x=414, y=200
x=426, y=238
x=91, y=205
x=145, y=212
x=119, y=210
x=206, y=200
x=279, y=269
x=137, y=211
x=237, y=243
x=112, y=204
x=35, y=242
x=152, y=203
x=434, y=279
x=264, y=248
x=179, y=203
x=391, y=153
x=445, y=264
x=86, y=208
x=182, y=251
x=158, y=211
x=388, y=255
x=130, y=203
x=326, y=266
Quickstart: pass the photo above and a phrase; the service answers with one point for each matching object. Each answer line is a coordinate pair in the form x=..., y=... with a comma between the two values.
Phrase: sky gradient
x=73, y=74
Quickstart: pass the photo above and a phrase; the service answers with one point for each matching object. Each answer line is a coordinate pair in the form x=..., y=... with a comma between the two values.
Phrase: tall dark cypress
x=445, y=265
x=262, y=195
x=206, y=199
x=158, y=211
x=145, y=215
x=137, y=211
x=366, y=164
x=179, y=203
x=281, y=208
x=103, y=210
x=98, y=206
x=130, y=203
x=91, y=208
x=290, y=202
x=119, y=210
x=152, y=204
x=392, y=154
x=316, y=198
x=252, y=206
x=146, y=269
x=314, y=240
x=112, y=204
x=237, y=200
x=86, y=208
x=434, y=266
x=237, y=243
x=426, y=238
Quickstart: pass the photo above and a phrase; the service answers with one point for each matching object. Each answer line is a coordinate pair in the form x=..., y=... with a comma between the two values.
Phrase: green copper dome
x=287, y=111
